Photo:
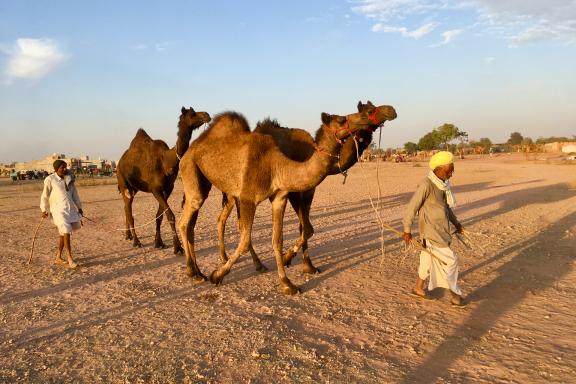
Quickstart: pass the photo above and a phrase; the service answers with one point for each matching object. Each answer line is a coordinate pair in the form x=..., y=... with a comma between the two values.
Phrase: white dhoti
x=64, y=227
x=441, y=275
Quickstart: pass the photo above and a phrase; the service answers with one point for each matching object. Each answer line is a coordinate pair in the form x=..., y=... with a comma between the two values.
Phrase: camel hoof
x=197, y=278
x=287, y=288
x=178, y=251
x=137, y=244
x=215, y=278
x=159, y=244
x=310, y=269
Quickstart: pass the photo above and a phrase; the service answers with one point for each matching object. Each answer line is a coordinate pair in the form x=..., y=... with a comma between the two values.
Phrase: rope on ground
x=129, y=228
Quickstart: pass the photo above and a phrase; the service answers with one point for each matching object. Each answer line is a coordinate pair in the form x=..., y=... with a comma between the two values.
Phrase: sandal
x=425, y=296
x=458, y=302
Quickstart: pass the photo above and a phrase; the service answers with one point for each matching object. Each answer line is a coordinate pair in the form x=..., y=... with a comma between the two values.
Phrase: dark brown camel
x=150, y=166
x=251, y=168
x=298, y=145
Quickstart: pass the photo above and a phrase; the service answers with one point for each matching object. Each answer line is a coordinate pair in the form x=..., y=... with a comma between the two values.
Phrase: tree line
x=450, y=137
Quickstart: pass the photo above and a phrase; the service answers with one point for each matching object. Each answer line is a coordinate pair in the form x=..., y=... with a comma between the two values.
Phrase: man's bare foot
x=59, y=261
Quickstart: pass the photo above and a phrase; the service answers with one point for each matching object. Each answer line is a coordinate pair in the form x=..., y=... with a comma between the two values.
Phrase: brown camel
x=298, y=145
x=251, y=168
x=150, y=166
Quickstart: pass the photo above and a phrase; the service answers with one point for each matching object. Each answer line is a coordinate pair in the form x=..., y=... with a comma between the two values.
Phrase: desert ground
x=131, y=315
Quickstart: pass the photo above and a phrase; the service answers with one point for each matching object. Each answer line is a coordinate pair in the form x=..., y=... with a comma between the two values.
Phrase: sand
x=131, y=315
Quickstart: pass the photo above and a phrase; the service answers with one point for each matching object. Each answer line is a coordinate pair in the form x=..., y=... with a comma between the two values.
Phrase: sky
x=80, y=77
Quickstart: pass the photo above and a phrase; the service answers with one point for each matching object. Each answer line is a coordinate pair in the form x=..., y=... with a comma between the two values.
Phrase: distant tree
x=515, y=138
x=411, y=147
x=553, y=139
x=486, y=143
x=448, y=132
x=428, y=141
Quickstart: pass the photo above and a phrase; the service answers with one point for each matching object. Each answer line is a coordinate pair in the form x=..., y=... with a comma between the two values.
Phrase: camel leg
x=301, y=202
x=227, y=205
x=128, y=198
x=278, y=208
x=246, y=218
x=255, y=259
x=307, y=232
x=158, y=243
x=164, y=208
x=196, y=191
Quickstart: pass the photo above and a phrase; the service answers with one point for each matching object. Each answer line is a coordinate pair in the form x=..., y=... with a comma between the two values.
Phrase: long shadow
x=492, y=303
x=58, y=328
x=517, y=199
x=101, y=277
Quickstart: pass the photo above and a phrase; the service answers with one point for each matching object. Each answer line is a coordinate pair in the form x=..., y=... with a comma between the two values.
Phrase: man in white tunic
x=433, y=202
x=60, y=198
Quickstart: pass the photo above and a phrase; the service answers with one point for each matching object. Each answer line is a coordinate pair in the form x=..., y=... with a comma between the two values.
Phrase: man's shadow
x=530, y=270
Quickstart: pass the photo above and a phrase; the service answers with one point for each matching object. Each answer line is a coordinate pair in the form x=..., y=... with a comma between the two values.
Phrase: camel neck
x=349, y=153
x=302, y=176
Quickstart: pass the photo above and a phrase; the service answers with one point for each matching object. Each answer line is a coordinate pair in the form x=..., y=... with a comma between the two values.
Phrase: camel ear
x=192, y=110
x=183, y=110
x=326, y=118
x=370, y=103
x=360, y=106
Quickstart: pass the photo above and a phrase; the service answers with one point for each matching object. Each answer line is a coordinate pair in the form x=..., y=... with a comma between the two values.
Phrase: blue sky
x=80, y=77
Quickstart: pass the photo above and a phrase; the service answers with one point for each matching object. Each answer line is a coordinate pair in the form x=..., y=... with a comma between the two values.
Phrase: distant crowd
x=42, y=174
x=28, y=175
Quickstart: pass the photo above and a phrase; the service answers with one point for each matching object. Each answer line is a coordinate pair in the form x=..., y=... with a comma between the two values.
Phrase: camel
x=251, y=168
x=298, y=145
x=150, y=166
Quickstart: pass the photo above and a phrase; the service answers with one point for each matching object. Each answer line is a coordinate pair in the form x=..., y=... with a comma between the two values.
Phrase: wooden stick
x=34, y=240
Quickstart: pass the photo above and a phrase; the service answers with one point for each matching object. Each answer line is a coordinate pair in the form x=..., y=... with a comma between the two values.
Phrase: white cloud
x=416, y=34
x=33, y=58
x=450, y=35
x=518, y=22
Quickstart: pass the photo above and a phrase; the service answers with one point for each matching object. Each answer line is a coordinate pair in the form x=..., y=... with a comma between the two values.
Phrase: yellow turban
x=441, y=158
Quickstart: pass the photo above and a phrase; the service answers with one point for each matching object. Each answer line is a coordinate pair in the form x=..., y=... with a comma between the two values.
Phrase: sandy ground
x=132, y=315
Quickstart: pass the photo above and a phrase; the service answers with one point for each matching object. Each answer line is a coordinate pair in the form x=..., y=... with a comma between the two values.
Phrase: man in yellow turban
x=433, y=202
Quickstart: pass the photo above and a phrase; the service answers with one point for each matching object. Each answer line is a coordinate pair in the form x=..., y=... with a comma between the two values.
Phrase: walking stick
x=34, y=240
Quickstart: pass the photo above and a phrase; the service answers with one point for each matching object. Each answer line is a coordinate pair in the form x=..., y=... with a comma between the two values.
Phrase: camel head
x=190, y=119
x=376, y=115
x=344, y=126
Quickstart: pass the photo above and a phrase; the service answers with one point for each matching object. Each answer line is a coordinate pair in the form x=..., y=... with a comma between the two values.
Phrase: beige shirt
x=434, y=215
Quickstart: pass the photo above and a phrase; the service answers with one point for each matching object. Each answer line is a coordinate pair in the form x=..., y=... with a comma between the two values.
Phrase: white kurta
x=61, y=203
x=443, y=276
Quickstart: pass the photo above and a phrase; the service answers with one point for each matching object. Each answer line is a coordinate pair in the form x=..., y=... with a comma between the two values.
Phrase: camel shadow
x=530, y=270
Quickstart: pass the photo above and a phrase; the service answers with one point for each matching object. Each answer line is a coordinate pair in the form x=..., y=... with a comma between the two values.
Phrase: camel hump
x=268, y=126
x=226, y=124
x=142, y=134
x=142, y=138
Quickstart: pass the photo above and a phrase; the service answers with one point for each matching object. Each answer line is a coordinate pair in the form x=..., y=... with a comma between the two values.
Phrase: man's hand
x=44, y=215
x=407, y=236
